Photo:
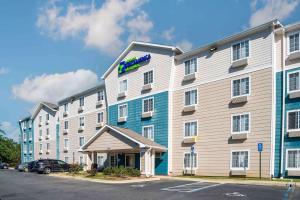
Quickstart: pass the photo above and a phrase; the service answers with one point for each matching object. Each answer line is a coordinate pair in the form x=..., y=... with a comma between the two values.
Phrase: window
x=190, y=129
x=240, y=87
x=123, y=86
x=100, y=95
x=66, y=143
x=81, y=121
x=47, y=132
x=67, y=159
x=294, y=42
x=148, y=77
x=24, y=136
x=81, y=101
x=294, y=84
x=41, y=133
x=24, y=148
x=113, y=160
x=123, y=110
x=148, y=132
x=47, y=117
x=293, y=120
x=190, y=159
x=147, y=105
x=30, y=147
x=66, y=125
x=81, y=141
x=191, y=97
x=190, y=66
x=100, y=117
x=240, y=123
x=30, y=135
x=240, y=50
x=81, y=160
x=293, y=159
x=41, y=147
x=239, y=160
x=48, y=146
x=66, y=107
x=40, y=118
x=100, y=160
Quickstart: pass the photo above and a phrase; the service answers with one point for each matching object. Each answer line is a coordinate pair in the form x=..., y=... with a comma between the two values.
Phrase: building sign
x=132, y=63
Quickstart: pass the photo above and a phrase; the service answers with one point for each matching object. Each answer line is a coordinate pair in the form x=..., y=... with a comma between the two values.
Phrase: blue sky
x=52, y=49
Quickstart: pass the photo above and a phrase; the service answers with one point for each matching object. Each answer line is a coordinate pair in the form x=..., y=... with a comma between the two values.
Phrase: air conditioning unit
x=66, y=113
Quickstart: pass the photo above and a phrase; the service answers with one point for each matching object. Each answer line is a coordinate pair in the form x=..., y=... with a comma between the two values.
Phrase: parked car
x=23, y=167
x=31, y=165
x=4, y=166
x=46, y=166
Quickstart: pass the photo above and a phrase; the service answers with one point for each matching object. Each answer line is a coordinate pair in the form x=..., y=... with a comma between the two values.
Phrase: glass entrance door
x=130, y=160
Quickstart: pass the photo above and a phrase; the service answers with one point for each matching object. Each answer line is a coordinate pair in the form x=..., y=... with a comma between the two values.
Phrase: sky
x=52, y=49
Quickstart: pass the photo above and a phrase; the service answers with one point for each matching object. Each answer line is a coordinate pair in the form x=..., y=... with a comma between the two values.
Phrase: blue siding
x=57, y=141
x=27, y=157
x=135, y=123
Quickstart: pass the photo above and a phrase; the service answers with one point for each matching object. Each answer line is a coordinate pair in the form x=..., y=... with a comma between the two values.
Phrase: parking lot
x=17, y=185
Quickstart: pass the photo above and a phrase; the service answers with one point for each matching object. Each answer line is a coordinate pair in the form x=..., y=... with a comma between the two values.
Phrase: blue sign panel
x=260, y=147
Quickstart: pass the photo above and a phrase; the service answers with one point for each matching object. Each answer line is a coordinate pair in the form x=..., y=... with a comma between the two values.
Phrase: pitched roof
x=129, y=134
x=51, y=106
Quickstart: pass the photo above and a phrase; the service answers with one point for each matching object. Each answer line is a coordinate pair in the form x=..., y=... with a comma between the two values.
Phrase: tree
x=10, y=151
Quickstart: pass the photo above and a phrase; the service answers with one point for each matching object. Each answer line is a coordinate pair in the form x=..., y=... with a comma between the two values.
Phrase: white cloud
x=185, y=45
x=168, y=34
x=103, y=27
x=3, y=71
x=54, y=87
x=266, y=10
x=10, y=130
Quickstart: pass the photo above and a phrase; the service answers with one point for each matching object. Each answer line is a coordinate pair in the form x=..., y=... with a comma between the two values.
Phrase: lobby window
x=239, y=160
x=240, y=123
x=148, y=105
x=81, y=101
x=81, y=141
x=66, y=143
x=240, y=50
x=148, y=77
x=122, y=110
x=190, y=129
x=66, y=125
x=294, y=43
x=66, y=107
x=293, y=159
x=190, y=66
x=100, y=95
x=190, y=160
x=240, y=87
x=81, y=121
x=148, y=132
x=294, y=83
x=294, y=120
x=190, y=97
x=81, y=160
x=123, y=86
x=100, y=117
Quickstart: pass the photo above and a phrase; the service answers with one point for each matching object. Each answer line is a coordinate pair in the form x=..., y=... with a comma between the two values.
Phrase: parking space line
x=205, y=187
x=191, y=187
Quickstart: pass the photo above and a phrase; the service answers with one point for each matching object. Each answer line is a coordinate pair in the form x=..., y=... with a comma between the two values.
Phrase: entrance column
x=89, y=160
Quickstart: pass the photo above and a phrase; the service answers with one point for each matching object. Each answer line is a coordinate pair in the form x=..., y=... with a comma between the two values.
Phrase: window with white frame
x=240, y=123
x=190, y=129
x=294, y=120
x=30, y=147
x=66, y=125
x=66, y=159
x=81, y=160
x=190, y=159
x=240, y=50
x=81, y=121
x=66, y=107
x=123, y=86
x=294, y=83
x=81, y=141
x=47, y=116
x=48, y=146
x=100, y=95
x=190, y=66
x=81, y=101
x=148, y=132
x=240, y=87
x=41, y=147
x=293, y=159
x=148, y=77
x=148, y=105
x=239, y=160
x=40, y=118
x=294, y=43
x=30, y=135
x=40, y=133
x=24, y=148
x=47, y=132
x=100, y=117
x=123, y=110
x=24, y=136
x=66, y=143
x=190, y=97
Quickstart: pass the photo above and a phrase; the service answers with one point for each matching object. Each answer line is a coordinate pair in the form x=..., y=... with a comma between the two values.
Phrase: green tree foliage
x=10, y=151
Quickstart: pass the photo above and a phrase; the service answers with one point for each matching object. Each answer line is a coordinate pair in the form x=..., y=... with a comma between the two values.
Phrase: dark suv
x=47, y=166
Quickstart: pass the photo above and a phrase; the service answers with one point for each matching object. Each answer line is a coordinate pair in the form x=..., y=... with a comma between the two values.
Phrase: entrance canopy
x=116, y=139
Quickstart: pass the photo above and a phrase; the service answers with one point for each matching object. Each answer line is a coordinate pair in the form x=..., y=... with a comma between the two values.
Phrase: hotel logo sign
x=132, y=63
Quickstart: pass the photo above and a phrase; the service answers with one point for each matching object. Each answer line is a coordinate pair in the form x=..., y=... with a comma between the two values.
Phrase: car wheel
x=47, y=170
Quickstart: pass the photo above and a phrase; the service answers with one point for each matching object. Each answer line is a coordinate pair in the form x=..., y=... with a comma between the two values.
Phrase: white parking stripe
x=191, y=187
x=209, y=186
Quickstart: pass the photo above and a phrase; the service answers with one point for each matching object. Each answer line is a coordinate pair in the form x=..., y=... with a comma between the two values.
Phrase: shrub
x=92, y=172
x=121, y=171
x=75, y=168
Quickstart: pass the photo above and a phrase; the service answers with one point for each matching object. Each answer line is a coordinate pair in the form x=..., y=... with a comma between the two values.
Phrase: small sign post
x=192, y=158
x=260, y=147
